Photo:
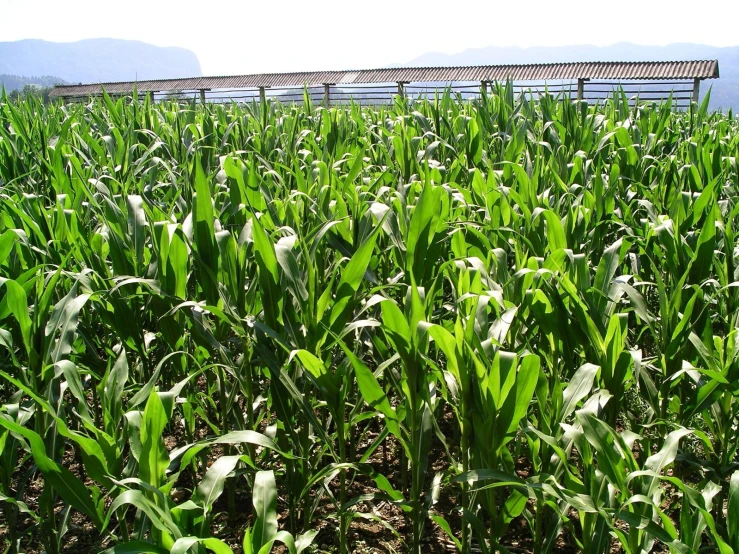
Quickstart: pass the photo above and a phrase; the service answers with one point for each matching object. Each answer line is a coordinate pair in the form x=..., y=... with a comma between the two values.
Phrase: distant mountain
x=97, y=60
x=17, y=82
x=725, y=91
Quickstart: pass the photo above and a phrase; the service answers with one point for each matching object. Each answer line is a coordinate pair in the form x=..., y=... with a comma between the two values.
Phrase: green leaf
x=66, y=483
x=63, y=323
x=269, y=277
x=732, y=514
x=204, y=232
x=610, y=456
x=281, y=536
x=444, y=525
x=183, y=545
x=372, y=393
x=154, y=458
x=646, y=524
x=605, y=273
x=305, y=540
x=422, y=230
x=135, y=547
x=291, y=272
x=18, y=305
x=21, y=506
x=137, y=226
x=666, y=455
x=525, y=385
x=352, y=274
x=265, y=509
x=578, y=388
x=555, y=232
x=115, y=385
x=160, y=518
x=214, y=480
x=397, y=327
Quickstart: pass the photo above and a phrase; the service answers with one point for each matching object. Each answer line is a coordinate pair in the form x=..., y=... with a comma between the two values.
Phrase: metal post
x=326, y=95
x=263, y=104
x=202, y=96
x=580, y=89
x=696, y=89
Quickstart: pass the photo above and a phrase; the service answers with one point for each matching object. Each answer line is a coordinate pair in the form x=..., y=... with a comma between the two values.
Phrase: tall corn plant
x=202, y=302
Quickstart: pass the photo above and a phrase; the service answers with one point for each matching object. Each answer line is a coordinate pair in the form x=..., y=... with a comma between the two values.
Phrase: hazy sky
x=231, y=36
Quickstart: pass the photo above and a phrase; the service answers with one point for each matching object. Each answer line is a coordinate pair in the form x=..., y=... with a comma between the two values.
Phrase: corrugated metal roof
x=703, y=69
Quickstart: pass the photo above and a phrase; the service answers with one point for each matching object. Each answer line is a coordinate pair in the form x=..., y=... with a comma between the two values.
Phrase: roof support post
x=580, y=89
x=327, y=95
x=484, y=86
x=696, y=89
x=202, y=96
x=263, y=104
x=401, y=88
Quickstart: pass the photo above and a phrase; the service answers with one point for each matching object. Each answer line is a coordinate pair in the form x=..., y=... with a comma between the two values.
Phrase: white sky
x=231, y=36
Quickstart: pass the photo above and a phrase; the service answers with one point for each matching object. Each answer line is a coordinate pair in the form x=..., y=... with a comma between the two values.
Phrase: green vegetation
x=19, y=87
x=17, y=82
x=43, y=93
x=503, y=324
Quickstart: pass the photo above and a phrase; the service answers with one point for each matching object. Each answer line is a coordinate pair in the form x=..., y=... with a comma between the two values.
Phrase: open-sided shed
x=584, y=80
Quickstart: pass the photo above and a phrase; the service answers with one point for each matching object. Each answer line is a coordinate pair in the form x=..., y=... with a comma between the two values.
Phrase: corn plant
x=507, y=322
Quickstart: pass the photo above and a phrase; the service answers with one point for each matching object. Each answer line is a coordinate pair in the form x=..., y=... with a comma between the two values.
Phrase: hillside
x=96, y=60
x=725, y=92
x=17, y=82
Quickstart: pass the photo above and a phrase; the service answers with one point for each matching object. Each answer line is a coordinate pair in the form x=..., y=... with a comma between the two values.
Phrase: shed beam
x=696, y=89
x=327, y=95
x=581, y=88
x=202, y=96
x=401, y=88
x=263, y=104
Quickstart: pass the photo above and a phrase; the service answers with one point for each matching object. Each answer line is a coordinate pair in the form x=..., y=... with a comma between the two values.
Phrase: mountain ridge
x=96, y=60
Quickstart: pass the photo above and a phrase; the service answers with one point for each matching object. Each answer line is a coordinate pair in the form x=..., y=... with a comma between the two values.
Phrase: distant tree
x=175, y=95
x=28, y=91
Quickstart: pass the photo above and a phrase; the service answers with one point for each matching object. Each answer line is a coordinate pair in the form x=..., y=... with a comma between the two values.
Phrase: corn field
x=501, y=325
